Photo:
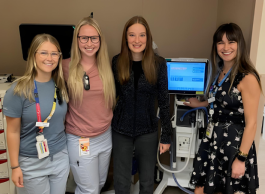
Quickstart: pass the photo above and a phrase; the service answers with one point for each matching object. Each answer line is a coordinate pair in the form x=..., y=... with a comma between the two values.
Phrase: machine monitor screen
x=63, y=33
x=187, y=76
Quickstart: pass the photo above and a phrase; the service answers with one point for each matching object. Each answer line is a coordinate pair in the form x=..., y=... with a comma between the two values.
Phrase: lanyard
x=213, y=92
x=36, y=95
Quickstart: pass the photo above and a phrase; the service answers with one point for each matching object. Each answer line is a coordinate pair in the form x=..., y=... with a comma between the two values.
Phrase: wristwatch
x=242, y=156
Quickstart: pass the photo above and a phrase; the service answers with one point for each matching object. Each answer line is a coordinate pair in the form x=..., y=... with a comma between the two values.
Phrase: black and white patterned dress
x=213, y=162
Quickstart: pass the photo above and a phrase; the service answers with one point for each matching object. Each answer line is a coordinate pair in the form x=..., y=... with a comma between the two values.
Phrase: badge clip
x=209, y=130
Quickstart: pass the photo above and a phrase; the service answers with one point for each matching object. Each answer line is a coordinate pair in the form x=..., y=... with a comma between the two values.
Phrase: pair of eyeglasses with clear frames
x=45, y=54
x=85, y=39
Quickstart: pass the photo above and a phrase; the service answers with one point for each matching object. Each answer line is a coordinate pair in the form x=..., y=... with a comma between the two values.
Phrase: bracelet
x=241, y=158
x=242, y=154
x=14, y=167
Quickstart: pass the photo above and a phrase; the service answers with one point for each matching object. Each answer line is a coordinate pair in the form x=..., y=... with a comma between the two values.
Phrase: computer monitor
x=187, y=76
x=63, y=33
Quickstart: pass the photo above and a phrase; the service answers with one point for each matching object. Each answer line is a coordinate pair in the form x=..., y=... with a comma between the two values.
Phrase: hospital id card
x=209, y=130
x=42, y=147
x=84, y=147
x=42, y=124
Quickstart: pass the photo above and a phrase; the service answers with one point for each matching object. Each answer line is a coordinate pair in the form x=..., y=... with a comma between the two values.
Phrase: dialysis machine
x=187, y=77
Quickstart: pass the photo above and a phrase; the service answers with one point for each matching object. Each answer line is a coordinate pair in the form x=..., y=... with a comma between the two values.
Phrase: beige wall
x=257, y=56
x=180, y=28
x=258, y=38
x=240, y=12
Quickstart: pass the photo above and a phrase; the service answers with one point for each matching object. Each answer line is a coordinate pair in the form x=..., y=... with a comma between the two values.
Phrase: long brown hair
x=242, y=60
x=148, y=62
x=25, y=84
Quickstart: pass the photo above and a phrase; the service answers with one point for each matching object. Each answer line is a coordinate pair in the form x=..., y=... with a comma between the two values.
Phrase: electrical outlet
x=184, y=143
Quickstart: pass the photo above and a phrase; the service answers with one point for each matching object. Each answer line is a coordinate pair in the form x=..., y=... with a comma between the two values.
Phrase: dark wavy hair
x=242, y=61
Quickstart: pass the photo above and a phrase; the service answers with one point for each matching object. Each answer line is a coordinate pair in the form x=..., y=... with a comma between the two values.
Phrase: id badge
x=42, y=147
x=42, y=124
x=210, y=100
x=209, y=130
x=84, y=147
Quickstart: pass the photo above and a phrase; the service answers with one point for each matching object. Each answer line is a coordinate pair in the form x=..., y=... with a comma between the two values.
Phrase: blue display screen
x=186, y=76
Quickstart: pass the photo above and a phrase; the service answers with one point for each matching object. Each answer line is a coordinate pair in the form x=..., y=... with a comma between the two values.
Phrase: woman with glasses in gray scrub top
x=92, y=95
x=35, y=108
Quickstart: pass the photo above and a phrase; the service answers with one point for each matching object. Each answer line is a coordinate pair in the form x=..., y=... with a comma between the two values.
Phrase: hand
x=238, y=169
x=17, y=177
x=163, y=148
x=194, y=103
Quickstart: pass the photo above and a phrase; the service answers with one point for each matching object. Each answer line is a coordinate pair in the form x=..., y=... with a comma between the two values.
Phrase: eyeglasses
x=45, y=54
x=85, y=39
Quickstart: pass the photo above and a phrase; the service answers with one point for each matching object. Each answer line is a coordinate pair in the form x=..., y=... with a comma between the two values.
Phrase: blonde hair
x=25, y=84
x=76, y=72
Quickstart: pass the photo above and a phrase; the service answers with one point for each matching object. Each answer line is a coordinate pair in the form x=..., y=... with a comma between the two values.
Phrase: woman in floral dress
x=226, y=161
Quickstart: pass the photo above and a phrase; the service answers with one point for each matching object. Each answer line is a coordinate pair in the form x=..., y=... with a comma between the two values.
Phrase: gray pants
x=145, y=152
x=44, y=176
x=90, y=172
